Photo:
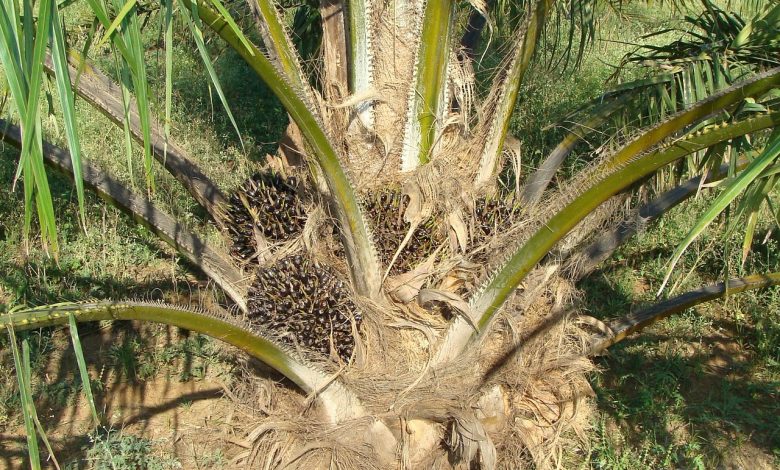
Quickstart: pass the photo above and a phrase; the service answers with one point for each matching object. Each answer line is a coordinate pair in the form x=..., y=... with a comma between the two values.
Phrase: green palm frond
x=338, y=401
x=740, y=186
x=637, y=163
x=719, y=36
x=427, y=104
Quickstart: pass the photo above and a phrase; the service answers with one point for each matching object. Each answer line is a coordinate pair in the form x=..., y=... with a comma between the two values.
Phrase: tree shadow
x=125, y=394
x=701, y=385
x=604, y=298
x=707, y=390
x=68, y=447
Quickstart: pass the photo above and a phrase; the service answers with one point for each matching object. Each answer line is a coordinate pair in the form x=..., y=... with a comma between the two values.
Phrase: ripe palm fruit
x=269, y=204
x=306, y=304
x=491, y=217
x=385, y=209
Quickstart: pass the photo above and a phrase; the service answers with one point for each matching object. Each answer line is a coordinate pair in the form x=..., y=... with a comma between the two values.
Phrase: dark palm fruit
x=305, y=303
x=385, y=210
x=491, y=217
x=268, y=203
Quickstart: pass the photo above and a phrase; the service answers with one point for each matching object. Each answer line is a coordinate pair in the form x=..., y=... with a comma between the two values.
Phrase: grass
x=113, y=258
x=188, y=359
x=699, y=390
x=115, y=450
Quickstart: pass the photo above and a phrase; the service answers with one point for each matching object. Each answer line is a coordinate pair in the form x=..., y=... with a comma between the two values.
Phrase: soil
x=728, y=406
x=191, y=420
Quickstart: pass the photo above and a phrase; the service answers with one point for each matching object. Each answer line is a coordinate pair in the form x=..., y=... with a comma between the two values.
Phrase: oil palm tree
x=383, y=266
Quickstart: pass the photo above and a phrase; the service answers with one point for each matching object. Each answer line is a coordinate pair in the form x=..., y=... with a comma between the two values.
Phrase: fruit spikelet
x=306, y=304
x=385, y=208
x=267, y=205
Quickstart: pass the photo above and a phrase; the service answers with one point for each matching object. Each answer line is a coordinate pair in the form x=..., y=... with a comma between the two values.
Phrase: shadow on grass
x=70, y=447
x=698, y=397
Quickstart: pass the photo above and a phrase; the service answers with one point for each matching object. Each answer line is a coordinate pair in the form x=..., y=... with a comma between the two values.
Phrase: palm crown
x=371, y=259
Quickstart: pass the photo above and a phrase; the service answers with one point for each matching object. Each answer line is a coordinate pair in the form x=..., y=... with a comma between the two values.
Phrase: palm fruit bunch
x=306, y=304
x=268, y=204
x=492, y=217
x=385, y=209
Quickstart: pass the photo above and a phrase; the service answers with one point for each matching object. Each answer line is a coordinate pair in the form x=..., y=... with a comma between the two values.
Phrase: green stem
x=510, y=83
x=435, y=47
x=339, y=403
x=427, y=104
x=278, y=43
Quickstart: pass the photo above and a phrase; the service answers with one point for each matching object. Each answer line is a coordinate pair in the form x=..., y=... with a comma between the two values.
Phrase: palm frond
x=361, y=54
x=427, y=103
x=214, y=264
x=719, y=36
x=620, y=329
x=606, y=182
x=736, y=188
x=603, y=245
x=501, y=102
x=339, y=403
x=280, y=49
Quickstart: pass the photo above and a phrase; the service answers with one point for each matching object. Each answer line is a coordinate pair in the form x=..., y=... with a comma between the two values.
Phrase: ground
x=698, y=390
x=173, y=398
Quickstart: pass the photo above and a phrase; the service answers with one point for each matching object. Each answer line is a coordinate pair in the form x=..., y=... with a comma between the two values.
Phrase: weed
x=698, y=389
x=114, y=450
x=125, y=358
x=213, y=460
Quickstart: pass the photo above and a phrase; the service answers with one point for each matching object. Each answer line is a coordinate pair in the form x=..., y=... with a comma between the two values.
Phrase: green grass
x=113, y=258
x=700, y=389
x=135, y=359
x=115, y=450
